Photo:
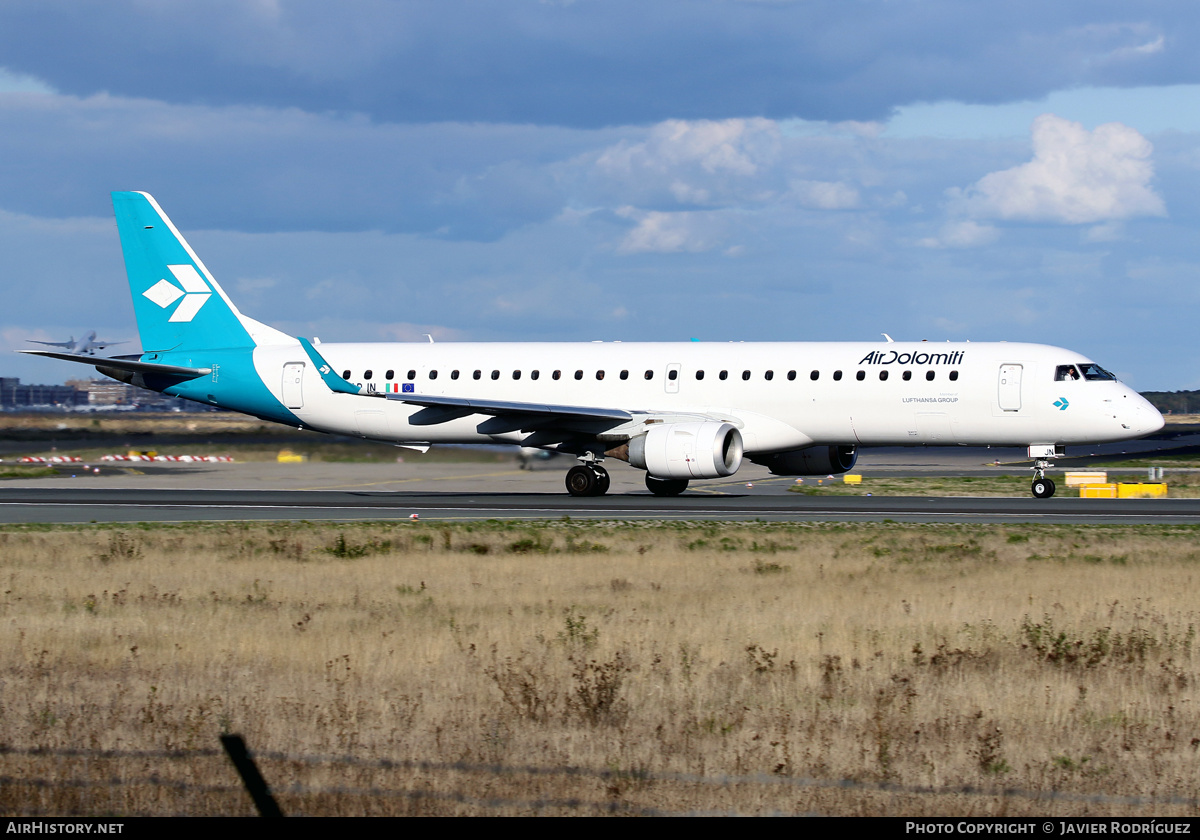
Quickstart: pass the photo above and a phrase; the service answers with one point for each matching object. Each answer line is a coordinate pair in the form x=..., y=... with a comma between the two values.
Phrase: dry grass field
x=656, y=659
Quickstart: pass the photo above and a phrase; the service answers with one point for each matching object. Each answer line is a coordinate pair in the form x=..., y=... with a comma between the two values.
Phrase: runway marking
x=411, y=480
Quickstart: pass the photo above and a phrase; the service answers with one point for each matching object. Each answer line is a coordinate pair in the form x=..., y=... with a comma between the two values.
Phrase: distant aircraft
x=681, y=411
x=86, y=346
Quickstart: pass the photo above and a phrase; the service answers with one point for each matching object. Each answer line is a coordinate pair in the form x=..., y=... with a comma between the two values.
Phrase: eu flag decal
x=408, y=388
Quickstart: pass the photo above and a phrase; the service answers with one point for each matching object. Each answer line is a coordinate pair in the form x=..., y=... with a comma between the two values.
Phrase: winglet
x=335, y=382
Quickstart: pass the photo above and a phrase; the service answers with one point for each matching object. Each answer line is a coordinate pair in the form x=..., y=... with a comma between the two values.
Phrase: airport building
x=15, y=396
x=86, y=394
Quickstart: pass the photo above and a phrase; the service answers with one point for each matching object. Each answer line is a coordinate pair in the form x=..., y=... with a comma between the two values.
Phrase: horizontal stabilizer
x=123, y=364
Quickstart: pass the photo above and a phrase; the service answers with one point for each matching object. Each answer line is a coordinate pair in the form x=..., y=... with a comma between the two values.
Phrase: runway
x=37, y=505
x=445, y=491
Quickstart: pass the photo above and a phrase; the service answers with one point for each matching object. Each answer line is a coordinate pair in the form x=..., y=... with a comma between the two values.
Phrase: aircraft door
x=293, y=381
x=1010, y=387
x=671, y=380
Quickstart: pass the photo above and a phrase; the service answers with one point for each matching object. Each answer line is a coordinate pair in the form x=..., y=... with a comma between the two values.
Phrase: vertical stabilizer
x=178, y=304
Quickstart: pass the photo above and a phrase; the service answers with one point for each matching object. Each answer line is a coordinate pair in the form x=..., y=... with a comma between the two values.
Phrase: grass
x=1037, y=658
x=19, y=471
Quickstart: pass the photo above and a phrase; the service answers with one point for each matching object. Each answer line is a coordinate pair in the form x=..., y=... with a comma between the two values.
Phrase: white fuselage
x=955, y=393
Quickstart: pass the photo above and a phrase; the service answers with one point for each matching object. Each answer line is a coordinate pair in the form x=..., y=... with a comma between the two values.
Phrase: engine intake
x=708, y=449
x=812, y=460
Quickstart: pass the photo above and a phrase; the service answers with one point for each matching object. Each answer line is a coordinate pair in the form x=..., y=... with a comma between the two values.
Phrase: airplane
x=88, y=345
x=679, y=411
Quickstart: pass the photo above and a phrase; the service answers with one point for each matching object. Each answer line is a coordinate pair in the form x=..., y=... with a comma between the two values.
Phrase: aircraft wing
x=503, y=407
x=124, y=364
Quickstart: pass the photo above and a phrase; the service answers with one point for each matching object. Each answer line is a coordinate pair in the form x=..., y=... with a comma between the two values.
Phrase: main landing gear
x=587, y=480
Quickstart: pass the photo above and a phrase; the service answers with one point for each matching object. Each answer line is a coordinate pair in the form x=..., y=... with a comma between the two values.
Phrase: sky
x=549, y=170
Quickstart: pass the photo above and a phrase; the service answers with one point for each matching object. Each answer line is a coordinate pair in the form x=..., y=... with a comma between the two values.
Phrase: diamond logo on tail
x=195, y=293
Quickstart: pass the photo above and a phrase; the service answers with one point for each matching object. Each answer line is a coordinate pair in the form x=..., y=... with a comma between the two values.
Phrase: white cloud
x=698, y=162
x=961, y=234
x=1076, y=177
x=825, y=195
x=663, y=232
x=736, y=145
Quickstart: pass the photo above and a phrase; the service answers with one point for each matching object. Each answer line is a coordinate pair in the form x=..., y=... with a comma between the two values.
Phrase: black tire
x=665, y=486
x=602, y=480
x=581, y=481
x=1043, y=488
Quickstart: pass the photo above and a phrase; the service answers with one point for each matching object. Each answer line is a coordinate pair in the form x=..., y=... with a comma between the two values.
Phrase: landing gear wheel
x=1043, y=488
x=665, y=486
x=602, y=480
x=582, y=481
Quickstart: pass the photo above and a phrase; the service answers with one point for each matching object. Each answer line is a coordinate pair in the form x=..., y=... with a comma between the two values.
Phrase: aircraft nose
x=1146, y=418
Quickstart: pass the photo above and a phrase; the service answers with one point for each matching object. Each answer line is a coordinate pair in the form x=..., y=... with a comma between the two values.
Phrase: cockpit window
x=1095, y=372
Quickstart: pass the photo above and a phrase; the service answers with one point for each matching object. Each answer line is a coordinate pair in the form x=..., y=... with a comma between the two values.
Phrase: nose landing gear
x=1043, y=488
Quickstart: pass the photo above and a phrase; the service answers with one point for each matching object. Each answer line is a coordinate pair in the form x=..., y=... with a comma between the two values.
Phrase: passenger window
x=390, y=375
x=883, y=374
x=476, y=374
x=366, y=374
x=412, y=374
x=699, y=374
x=837, y=376
x=433, y=374
x=454, y=374
x=624, y=374
x=556, y=375
x=649, y=374
x=723, y=375
x=672, y=375
x=861, y=375
x=346, y=375
x=745, y=374
x=579, y=374
x=599, y=375
x=907, y=375
x=533, y=374
x=516, y=374
x=816, y=374
x=769, y=375
x=929, y=375
x=953, y=376
x=1065, y=373
x=495, y=374
x=791, y=375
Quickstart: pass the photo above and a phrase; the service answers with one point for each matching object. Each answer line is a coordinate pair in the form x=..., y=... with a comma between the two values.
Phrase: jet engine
x=709, y=449
x=812, y=460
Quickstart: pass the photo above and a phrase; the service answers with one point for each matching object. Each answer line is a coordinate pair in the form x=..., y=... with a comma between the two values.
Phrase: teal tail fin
x=177, y=303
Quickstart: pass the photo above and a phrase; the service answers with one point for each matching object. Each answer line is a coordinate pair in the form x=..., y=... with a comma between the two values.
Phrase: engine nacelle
x=688, y=450
x=812, y=460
